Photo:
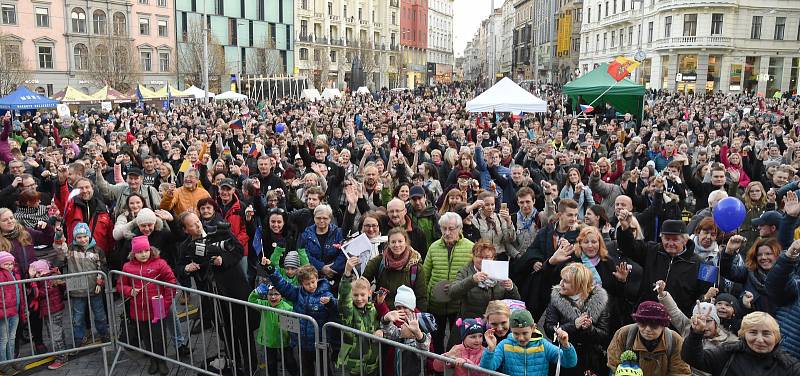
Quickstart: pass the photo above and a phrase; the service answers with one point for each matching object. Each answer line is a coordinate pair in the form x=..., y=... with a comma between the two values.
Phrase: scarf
x=710, y=254
x=591, y=263
x=396, y=262
x=13, y=234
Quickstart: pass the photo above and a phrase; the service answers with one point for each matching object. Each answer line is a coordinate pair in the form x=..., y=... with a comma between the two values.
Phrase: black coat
x=736, y=359
x=227, y=279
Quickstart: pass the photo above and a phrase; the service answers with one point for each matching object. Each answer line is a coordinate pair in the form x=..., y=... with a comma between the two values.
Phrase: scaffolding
x=268, y=88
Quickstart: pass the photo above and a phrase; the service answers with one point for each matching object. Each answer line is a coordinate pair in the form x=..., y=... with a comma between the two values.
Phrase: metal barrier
x=40, y=301
x=231, y=341
x=362, y=336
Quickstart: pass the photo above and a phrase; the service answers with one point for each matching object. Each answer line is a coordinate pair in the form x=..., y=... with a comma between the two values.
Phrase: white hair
x=323, y=209
x=450, y=217
x=715, y=196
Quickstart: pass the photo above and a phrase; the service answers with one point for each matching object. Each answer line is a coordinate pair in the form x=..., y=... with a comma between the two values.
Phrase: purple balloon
x=280, y=127
x=729, y=214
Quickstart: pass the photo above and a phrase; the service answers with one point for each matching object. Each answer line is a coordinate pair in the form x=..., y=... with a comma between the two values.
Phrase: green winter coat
x=392, y=279
x=270, y=323
x=441, y=265
x=275, y=259
x=359, y=356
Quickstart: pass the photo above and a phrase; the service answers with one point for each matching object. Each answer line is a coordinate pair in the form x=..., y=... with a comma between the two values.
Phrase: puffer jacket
x=91, y=259
x=443, y=265
x=654, y=363
x=234, y=215
x=532, y=359
x=46, y=297
x=475, y=298
x=154, y=268
x=783, y=287
x=358, y=356
x=306, y=303
x=498, y=232
x=391, y=279
x=269, y=325
x=320, y=255
x=472, y=356
x=11, y=295
x=736, y=359
x=589, y=343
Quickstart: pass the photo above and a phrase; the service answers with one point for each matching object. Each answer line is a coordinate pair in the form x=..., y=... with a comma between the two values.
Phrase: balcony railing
x=350, y=19
x=694, y=42
x=337, y=41
x=318, y=15
x=378, y=25
x=663, y=4
x=334, y=18
x=364, y=22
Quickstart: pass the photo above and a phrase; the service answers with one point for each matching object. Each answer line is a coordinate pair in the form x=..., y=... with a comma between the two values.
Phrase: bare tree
x=191, y=59
x=266, y=60
x=320, y=66
x=114, y=62
x=369, y=61
x=14, y=70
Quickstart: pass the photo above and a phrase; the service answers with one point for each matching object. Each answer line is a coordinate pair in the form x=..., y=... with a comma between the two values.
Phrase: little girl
x=11, y=296
x=47, y=302
x=468, y=351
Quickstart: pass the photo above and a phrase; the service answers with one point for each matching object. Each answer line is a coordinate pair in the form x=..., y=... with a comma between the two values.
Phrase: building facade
x=440, y=59
x=414, y=41
x=522, y=56
x=698, y=45
x=543, y=29
x=247, y=37
x=332, y=33
x=568, y=38
x=507, y=38
x=87, y=44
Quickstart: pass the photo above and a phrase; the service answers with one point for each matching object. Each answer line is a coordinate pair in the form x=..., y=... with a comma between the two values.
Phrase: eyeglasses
x=276, y=210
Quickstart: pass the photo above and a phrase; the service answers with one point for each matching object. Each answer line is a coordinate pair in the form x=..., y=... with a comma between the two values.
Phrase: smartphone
x=382, y=291
x=503, y=206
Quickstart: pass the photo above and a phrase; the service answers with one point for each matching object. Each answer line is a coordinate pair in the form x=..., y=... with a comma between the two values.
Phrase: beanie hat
x=146, y=216
x=6, y=257
x=81, y=229
x=651, y=312
x=292, y=260
x=629, y=365
x=41, y=266
x=469, y=327
x=129, y=138
x=405, y=297
x=707, y=307
x=427, y=323
x=730, y=299
x=140, y=244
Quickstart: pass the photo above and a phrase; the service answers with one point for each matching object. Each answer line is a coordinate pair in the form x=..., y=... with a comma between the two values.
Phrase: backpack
x=631, y=338
x=414, y=269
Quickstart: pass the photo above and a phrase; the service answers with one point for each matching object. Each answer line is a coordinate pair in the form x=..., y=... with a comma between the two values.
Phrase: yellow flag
x=185, y=166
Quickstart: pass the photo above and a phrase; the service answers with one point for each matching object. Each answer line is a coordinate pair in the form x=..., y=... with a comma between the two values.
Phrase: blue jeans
x=180, y=339
x=8, y=335
x=79, y=308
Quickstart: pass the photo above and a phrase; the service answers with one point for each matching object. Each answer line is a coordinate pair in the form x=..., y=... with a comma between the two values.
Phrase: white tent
x=506, y=96
x=197, y=92
x=362, y=90
x=230, y=96
x=312, y=94
x=330, y=93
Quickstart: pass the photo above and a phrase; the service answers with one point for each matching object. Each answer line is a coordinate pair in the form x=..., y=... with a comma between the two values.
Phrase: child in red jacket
x=47, y=302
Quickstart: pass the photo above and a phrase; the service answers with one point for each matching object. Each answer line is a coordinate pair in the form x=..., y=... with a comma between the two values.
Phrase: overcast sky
x=467, y=17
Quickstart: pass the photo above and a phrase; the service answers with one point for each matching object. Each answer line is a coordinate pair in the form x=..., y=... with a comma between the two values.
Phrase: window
x=163, y=61
x=589, y=14
x=304, y=4
x=162, y=3
x=12, y=54
x=333, y=56
x=42, y=17
x=615, y=7
x=597, y=42
x=101, y=56
x=780, y=27
x=144, y=26
x=613, y=38
x=716, y=23
x=81, y=55
x=621, y=37
x=607, y=8
x=605, y=40
x=344, y=13
x=45, y=57
x=689, y=25
x=630, y=35
x=9, y=14
x=303, y=28
x=650, y=32
x=78, y=20
x=162, y=28
x=120, y=24
x=360, y=14
x=755, y=29
x=99, y=22
x=145, y=61
x=330, y=8
x=599, y=11
x=394, y=18
x=304, y=54
x=667, y=26
x=623, y=4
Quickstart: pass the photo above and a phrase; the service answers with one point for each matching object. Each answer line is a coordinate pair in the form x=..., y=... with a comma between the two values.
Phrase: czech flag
x=253, y=151
x=236, y=124
x=621, y=67
x=585, y=108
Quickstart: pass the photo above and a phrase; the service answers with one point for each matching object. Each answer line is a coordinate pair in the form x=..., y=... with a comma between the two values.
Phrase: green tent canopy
x=626, y=96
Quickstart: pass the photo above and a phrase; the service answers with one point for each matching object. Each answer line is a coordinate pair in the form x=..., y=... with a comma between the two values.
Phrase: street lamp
x=205, y=54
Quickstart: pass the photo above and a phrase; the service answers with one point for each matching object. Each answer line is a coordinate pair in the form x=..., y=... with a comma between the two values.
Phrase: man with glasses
x=397, y=216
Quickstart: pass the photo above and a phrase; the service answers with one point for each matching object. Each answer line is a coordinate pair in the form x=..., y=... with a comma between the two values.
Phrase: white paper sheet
x=497, y=270
x=359, y=247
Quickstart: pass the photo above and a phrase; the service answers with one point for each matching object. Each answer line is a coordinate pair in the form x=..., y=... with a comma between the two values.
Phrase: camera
x=214, y=243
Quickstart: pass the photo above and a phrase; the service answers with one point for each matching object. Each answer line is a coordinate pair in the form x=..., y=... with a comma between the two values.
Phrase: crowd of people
x=616, y=263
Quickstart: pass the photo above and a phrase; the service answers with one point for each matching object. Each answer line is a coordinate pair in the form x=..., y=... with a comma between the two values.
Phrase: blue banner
x=708, y=273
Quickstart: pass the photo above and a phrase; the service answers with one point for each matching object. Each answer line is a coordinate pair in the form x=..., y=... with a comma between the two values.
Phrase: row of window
x=144, y=27
x=80, y=53
x=78, y=21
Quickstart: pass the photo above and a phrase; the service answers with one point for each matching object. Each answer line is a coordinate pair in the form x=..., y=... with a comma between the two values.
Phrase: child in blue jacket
x=313, y=298
x=526, y=352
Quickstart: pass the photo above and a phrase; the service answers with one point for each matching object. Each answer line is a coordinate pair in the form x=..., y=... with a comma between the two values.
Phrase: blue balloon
x=280, y=127
x=729, y=214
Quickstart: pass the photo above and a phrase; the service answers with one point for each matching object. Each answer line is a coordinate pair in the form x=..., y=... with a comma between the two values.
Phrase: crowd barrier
x=229, y=348
x=48, y=309
x=369, y=337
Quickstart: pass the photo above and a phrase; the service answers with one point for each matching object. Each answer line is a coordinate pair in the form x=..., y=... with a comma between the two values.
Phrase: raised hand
x=791, y=204
x=563, y=337
x=699, y=321
x=734, y=244
x=624, y=218
x=747, y=299
x=711, y=294
x=621, y=273
x=352, y=262
x=660, y=286
x=491, y=340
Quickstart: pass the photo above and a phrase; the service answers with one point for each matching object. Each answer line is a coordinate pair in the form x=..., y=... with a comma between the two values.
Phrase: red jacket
x=46, y=297
x=154, y=268
x=238, y=224
x=100, y=222
x=11, y=300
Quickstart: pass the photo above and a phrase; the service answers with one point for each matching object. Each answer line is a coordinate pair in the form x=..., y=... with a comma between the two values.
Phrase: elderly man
x=672, y=260
x=713, y=199
x=185, y=198
x=397, y=216
x=445, y=258
x=119, y=193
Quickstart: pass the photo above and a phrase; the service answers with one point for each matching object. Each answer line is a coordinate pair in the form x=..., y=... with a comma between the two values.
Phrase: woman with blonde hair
x=497, y=317
x=757, y=352
x=579, y=306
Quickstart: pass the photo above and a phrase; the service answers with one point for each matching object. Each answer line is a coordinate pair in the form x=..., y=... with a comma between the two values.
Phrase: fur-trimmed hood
x=594, y=306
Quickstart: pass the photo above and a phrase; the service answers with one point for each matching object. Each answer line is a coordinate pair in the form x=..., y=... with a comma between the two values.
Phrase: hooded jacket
x=442, y=264
x=94, y=213
x=88, y=259
x=269, y=326
x=474, y=297
x=357, y=355
x=532, y=359
x=320, y=255
x=307, y=303
x=141, y=308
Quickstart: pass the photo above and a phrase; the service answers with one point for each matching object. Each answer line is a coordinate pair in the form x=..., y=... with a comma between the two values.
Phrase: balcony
x=319, y=15
x=378, y=25
x=694, y=42
x=363, y=22
x=626, y=17
x=337, y=42
x=333, y=18
x=305, y=38
x=675, y=4
x=350, y=20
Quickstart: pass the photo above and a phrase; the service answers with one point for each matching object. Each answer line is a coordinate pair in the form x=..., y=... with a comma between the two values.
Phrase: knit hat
x=521, y=318
x=707, y=307
x=629, y=365
x=6, y=257
x=427, y=323
x=292, y=260
x=651, y=312
x=730, y=299
x=81, y=229
x=405, y=297
x=140, y=244
x=469, y=327
x=146, y=216
x=41, y=266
